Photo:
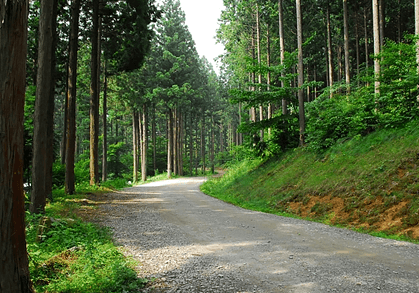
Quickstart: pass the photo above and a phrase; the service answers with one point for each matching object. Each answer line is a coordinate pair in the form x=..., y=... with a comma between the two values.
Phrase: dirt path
x=194, y=243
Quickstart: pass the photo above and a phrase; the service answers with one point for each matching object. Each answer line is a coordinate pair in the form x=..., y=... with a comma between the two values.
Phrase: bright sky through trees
x=202, y=21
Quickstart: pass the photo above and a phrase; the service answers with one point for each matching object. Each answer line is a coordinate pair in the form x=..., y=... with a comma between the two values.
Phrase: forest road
x=191, y=242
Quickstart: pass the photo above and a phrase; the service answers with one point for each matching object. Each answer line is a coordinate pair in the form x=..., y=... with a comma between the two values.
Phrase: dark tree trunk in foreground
x=44, y=109
x=71, y=99
x=14, y=272
x=105, y=130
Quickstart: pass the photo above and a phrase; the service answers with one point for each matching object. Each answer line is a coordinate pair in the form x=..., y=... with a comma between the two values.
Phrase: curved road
x=250, y=251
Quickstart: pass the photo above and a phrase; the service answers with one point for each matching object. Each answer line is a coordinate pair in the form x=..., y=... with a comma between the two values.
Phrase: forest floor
x=186, y=241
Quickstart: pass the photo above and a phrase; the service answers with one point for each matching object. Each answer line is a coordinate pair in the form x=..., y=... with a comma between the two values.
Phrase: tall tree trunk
x=282, y=50
x=346, y=45
x=64, y=137
x=153, y=136
x=169, y=144
x=14, y=271
x=135, y=145
x=94, y=99
x=259, y=55
x=329, y=49
x=376, y=32
x=175, y=142
x=366, y=39
x=71, y=97
x=300, y=72
x=268, y=77
x=105, y=128
x=203, y=141
x=357, y=43
x=44, y=109
x=381, y=21
x=144, y=145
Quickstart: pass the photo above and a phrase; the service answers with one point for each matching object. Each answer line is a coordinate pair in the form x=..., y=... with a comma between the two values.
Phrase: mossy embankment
x=366, y=183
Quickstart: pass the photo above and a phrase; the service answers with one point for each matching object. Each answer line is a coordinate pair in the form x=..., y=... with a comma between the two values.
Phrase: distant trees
x=14, y=272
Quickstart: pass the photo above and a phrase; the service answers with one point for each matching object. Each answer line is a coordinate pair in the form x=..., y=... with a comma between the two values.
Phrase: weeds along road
x=191, y=242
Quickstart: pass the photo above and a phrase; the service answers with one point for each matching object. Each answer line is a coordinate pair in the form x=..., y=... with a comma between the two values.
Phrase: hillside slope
x=366, y=183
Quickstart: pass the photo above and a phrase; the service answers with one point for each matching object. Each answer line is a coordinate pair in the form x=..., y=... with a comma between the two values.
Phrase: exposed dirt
x=369, y=214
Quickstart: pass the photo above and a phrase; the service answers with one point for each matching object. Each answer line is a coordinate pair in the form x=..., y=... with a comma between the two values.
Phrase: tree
x=377, y=47
x=346, y=43
x=71, y=99
x=94, y=98
x=44, y=109
x=14, y=271
x=300, y=72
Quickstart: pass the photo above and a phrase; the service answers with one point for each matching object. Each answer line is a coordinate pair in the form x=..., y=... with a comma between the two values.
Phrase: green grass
x=76, y=256
x=354, y=170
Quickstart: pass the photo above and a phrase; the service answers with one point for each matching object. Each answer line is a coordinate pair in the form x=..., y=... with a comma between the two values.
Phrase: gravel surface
x=189, y=242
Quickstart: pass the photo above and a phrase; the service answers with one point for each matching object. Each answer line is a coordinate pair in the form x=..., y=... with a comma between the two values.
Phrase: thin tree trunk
x=105, y=129
x=144, y=146
x=135, y=145
x=203, y=141
x=282, y=50
x=153, y=136
x=300, y=72
x=94, y=99
x=329, y=49
x=346, y=45
x=357, y=44
x=366, y=39
x=14, y=271
x=381, y=21
x=268, y=78
x=212, y=145
x=44, y=109
x=71, y=97
x=376, y=32
x=259, y=56
x=64, y=137
x=169, y=144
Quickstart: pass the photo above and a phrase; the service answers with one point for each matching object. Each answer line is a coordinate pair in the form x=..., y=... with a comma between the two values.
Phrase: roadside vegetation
x=67, y=253
x=369, y=184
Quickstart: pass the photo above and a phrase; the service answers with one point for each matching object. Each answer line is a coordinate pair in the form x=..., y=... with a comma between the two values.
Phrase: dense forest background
x=131, y=97
x=116, y=90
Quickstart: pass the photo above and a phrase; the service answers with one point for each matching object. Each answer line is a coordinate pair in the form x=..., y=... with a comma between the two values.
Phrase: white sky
x=202, y=20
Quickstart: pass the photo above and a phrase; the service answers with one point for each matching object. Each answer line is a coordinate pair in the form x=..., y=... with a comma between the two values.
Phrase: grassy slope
x=368, y=183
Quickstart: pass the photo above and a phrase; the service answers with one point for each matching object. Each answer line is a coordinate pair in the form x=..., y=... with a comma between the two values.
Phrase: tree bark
x=376, y=32
x=346, y=46
x=94, y=99
x=153, y=137
x=282, y=50
x=71, y=97
x=144, y=145
x=105, y=129
x=14, y=271
x=366, y=39
x=300, y=72
x=44, y=109
x=329, y=49
x=169, y=144
x=259, y=56
x=135, y=145
x=268, y=78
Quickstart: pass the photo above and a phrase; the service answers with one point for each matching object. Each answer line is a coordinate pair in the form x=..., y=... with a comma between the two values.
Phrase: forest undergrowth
x=369, y=184
x=70, y=253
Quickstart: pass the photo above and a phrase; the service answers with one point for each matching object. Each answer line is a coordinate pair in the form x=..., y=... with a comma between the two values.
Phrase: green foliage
x=358, y=170
x=341, y=117
x=76, y=256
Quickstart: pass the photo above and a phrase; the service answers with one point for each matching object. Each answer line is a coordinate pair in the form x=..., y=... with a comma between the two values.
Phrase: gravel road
x=190, y=242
